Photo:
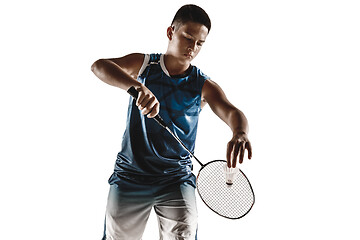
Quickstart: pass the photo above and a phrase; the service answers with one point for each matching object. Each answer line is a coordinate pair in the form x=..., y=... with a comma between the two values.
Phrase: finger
x=242, y=151
x=228, y=154
x=154, y=111
x=249, y=149
x=149, y=105
x=140, y=98
x=144, y=103
x=235, y=155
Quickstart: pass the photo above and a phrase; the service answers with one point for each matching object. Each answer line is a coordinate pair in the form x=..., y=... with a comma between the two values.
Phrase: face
x=186, y=41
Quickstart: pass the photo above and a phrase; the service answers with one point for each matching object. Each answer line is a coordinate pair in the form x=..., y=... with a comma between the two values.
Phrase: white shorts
x=129, y=207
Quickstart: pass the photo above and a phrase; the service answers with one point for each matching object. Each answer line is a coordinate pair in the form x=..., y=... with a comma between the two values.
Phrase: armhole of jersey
x=205, y=79
x=203, y=83
x=202, y=86
x=145, y=64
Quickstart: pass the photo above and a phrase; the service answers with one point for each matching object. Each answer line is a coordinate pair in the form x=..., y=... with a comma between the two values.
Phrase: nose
x=192, y=46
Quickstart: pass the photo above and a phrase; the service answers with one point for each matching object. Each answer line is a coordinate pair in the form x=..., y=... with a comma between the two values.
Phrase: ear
x=170, y=32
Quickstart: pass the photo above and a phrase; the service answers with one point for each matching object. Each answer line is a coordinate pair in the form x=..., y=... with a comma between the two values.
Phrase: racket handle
x=134, y=93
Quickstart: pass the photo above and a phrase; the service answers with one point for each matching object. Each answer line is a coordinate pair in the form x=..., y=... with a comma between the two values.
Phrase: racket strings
x=231, y=201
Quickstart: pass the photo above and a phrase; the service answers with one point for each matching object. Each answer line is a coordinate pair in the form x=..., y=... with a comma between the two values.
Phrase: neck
x=174, y=65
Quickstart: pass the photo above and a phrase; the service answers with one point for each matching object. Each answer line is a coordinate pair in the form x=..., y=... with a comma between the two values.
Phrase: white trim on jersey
x=162, y=64
x=145, y=64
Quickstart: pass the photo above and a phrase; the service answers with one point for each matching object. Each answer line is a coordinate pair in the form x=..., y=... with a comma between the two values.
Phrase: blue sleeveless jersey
x=149, y=153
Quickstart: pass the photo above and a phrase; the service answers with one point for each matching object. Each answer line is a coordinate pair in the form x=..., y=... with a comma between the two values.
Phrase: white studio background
x=291, y=66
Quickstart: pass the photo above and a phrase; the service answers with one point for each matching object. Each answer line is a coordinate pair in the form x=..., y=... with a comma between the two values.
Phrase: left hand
x=236, y=149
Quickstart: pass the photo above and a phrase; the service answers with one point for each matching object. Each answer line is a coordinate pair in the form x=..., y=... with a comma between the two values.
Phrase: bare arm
x=119, y=72
x=233, y=117
x=122, y=73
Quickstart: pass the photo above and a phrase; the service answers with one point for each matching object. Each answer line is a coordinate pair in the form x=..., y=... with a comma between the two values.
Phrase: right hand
x=147, y=102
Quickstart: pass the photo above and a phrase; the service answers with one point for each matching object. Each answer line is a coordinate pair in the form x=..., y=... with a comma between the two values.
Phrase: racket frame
x=241, y=172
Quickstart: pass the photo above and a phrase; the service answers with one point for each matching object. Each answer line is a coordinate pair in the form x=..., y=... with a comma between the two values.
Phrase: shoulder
x=211, y=91
x=200, y=73
x=213, y=95
x=130, y=63
x=199, y=77
x=208, y=88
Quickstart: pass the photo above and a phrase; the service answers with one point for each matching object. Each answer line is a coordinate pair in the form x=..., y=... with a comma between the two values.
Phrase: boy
x=152, y=170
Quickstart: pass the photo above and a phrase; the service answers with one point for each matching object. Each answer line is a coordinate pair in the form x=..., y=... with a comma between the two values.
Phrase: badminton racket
x=226, y=191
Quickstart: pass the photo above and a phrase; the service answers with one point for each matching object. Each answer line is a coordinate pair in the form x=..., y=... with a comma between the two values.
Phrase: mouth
x=188, y=55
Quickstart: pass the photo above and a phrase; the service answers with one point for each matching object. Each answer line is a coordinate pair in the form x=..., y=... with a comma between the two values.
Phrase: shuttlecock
x=230, y=174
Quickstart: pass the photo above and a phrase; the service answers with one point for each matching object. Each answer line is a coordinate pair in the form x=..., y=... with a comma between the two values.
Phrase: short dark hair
x=191, y=13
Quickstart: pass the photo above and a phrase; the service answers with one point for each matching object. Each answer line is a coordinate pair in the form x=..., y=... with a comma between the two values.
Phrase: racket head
x=229, y=201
